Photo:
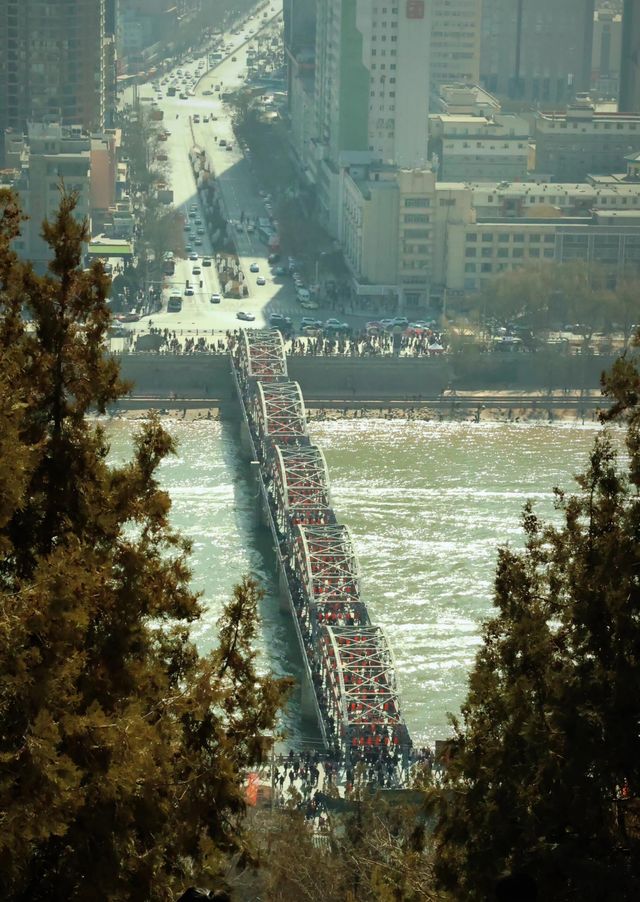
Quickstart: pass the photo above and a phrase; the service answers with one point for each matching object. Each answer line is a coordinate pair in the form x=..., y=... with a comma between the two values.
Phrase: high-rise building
x=372, y=78
x=52, y=63
x=630, y=68
x=537, y=51
x=455, y=42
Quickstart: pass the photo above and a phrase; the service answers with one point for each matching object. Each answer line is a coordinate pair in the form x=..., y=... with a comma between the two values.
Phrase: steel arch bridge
x=348, y=660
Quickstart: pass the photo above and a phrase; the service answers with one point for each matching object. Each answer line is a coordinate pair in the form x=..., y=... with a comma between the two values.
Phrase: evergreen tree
x=547, y=771
x=122, y=750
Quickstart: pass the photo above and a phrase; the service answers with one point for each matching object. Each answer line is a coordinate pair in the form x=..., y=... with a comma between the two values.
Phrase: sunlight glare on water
x=428, y=505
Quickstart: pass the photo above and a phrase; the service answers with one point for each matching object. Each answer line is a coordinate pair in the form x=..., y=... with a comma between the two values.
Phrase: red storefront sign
x=415, y=9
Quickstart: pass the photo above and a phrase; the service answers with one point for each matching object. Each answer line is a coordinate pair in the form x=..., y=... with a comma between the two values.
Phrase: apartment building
x=536, y=51
x=52, y=63
x=50, y=154
x=455, y=42
x=571, y=145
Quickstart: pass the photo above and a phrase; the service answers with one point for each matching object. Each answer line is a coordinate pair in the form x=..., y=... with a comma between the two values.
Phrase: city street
x=236, y=184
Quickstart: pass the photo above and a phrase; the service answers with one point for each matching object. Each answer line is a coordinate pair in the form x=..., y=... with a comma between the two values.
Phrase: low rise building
x=571, y=145
x=481, y=230
x=477, y=148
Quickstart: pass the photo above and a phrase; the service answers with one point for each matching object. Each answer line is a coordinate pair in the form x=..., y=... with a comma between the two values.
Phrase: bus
x=168, y=265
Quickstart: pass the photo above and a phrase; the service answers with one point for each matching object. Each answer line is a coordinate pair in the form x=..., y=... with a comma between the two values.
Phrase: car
x=206, y=261
x=250, y=229
x=386, y=323
x=374, y=326
x=247, y=317
x=183, y=96
x=309, y=321
x=222, y=142
x=400, y=321
x=192, y=214
x=273, y=258
x=276, y=319
x=200, y=231
x=234, y=59
x=196, y=271
x=309, y=305
x=205, y=118
x=229, y=146
x=280, y=271
x=261, y=280
x=196, y=118
x=189, y=292
x=335, y=325
x=197, y=242
x=198, y=221
x=215, y=298
x=254, y=268
x=239, y=226
x=187, y=226
x=207, y=93
x=188, y=248
x=193, y=255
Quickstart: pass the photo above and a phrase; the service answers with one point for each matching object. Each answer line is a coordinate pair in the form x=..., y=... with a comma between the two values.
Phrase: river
x=428, y=505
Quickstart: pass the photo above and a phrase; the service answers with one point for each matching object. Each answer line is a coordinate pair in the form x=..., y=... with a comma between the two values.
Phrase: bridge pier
x=246, y=449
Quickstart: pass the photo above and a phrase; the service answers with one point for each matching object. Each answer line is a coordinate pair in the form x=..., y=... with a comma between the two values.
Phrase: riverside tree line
x=123, y=750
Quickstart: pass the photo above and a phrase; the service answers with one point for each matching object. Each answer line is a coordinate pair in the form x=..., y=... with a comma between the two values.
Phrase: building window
x=518, y=237
x=472, y=236
x=518, y=252
x=487, y=252
x=470, y=252
x=503, y=251
x=417, y=202
x=470, y=267
x=416, y=217
x=549, y=252
x=503, y=236
x=534, y=252
x=486, y=267
x=487, y=236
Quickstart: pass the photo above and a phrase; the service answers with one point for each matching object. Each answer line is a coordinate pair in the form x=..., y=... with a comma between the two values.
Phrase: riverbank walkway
x=347, y=659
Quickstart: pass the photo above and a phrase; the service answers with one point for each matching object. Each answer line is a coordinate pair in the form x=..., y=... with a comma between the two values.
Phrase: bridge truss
x=279, y=413
x=359, y=675
x=300, y=483
x=261, y=355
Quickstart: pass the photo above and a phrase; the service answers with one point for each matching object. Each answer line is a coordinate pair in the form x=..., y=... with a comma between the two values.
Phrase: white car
x=193, y=255
x=247, y=317
x=261, y=280
x=215, y=298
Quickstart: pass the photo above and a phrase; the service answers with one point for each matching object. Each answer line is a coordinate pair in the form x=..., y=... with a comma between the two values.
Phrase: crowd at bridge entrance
x=349, y=661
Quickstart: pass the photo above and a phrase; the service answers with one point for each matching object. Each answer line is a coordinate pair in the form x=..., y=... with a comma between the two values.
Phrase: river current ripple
x=428, y=505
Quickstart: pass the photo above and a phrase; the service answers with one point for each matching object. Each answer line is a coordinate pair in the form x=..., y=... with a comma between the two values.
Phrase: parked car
x=254, y=268
x=261, y=280
x=273, y=258
x=280, y=271
x=206, y=261
x=193, y=255
x=309, y=321
x=215, y=298
x=335, y=325
x=247, y=317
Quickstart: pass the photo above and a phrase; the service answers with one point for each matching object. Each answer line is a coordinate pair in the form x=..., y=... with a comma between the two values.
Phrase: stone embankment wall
x=336, y=379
